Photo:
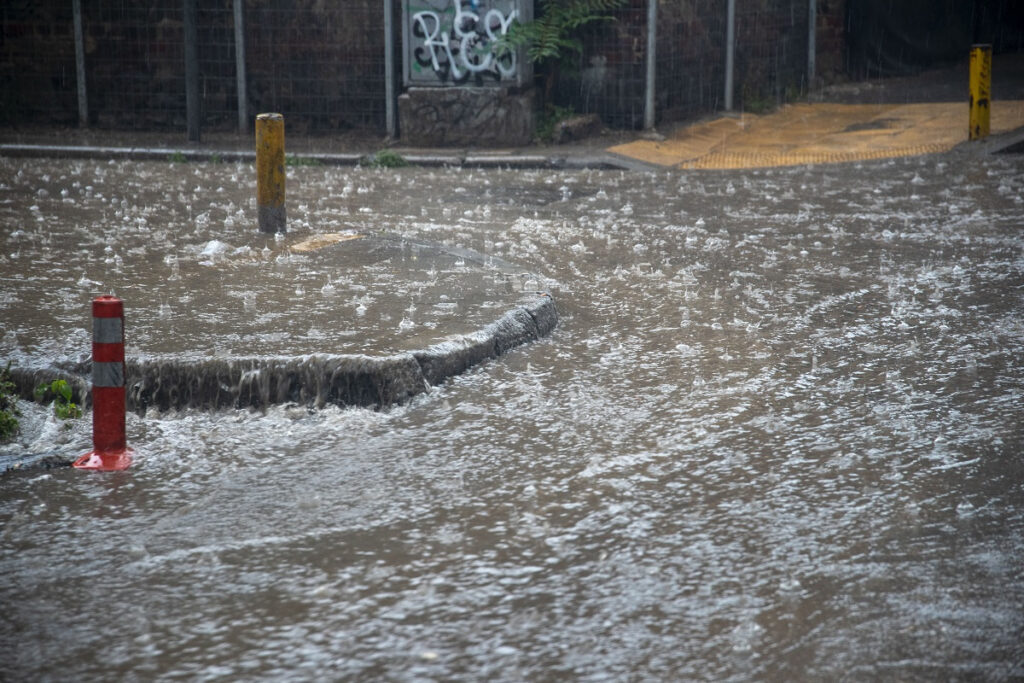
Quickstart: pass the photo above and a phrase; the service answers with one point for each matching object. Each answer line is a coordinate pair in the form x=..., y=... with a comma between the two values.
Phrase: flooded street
x=776, y=435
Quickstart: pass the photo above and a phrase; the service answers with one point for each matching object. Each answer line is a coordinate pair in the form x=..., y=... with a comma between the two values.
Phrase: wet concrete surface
x=215, y=323
x=776, y=435
x=885, y=118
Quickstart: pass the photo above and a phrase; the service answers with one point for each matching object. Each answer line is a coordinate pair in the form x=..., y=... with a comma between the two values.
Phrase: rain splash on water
x=776, y=434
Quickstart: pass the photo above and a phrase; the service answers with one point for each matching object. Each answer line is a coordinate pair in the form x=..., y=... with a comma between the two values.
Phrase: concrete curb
x=36, y=461
x=497, y=161
x=1009, y=142
x=315, y=380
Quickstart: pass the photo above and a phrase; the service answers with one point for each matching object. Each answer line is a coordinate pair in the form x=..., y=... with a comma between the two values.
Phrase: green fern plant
x=553, y=40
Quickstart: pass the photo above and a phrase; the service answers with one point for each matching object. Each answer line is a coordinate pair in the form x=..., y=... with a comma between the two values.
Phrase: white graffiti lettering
x=466, y=47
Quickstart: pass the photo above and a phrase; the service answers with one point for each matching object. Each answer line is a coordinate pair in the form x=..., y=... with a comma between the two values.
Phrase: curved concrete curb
x=315, y=380
x=414, y=158
x=35, y=461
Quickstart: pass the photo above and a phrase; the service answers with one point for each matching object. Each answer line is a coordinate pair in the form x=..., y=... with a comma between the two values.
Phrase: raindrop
x=965, y=509
x=789, y=585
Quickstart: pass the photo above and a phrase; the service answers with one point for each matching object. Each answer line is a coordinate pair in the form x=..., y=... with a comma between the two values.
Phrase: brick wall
x=831, y=37
x=322, y=63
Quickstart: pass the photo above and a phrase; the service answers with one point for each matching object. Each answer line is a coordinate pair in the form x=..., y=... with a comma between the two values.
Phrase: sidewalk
x=913, y=115
x=926, y=113
x=819, y=133
x=804, y=133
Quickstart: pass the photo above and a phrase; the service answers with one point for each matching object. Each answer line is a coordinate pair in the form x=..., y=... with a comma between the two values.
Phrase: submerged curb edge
x=496, y=161
x=315, y=380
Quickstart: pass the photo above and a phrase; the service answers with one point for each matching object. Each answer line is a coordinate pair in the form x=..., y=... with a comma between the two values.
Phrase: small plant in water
x=385, y=158
x=549, y=119
x=8, y=409
x=755, y=102
x=63, y=407
x=301, y=161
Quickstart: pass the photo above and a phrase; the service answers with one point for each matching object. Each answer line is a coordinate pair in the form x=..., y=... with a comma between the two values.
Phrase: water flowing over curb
x=315, y=380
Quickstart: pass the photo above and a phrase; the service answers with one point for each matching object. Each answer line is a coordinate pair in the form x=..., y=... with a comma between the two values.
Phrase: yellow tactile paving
x=820, y=133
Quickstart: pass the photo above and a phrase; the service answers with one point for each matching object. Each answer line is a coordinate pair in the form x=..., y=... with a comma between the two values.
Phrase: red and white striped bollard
x=110, y=449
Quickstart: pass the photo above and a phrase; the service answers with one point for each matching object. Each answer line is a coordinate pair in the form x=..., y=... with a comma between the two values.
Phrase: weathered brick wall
x=324, y=60
x=831, y=37
x=771, y=52
x=322, y=63
x=37, y=62
x=135, y=64
x=770, y=58
x=691, y=57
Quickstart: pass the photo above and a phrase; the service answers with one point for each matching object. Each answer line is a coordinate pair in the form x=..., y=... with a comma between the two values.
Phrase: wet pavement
x=222, y=316
x=877, y=119
x=776, y=435
x=926, y=113
x=815, y=133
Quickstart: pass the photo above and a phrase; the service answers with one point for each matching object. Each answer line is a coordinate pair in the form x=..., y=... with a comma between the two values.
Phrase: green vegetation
x=554, y=34
x=290, y=160
x=60, y=393
x=755, y=103
x=549, y=119
x=553, y=40
x=385, y=158
x=177, y=158
x=216, y=158
x=8, y=409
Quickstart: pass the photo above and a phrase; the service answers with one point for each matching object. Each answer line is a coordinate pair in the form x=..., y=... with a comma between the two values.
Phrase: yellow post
x=981, y=82
x=270, y=172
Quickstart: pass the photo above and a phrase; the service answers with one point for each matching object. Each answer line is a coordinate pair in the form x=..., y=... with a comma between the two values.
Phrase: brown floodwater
x=777, y=434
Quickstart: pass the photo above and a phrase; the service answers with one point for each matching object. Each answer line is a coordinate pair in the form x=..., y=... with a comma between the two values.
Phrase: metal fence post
x=191, y=70
x=652, y=43
x=243, y=108
x=389, y=68
x=83, y=100
x=812, y=40
x=730, y=40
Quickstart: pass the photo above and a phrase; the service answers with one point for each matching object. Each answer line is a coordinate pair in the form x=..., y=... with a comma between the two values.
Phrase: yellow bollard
x=270, y=172
x=981, y=82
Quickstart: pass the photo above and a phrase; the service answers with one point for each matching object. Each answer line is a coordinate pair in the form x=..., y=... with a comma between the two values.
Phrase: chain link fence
x=771, y=60
x=323, y=63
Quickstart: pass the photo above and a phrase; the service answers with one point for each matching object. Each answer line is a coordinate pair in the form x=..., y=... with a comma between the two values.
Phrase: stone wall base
x=436, y=117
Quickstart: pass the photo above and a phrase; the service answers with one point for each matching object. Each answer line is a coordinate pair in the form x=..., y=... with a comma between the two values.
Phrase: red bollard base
x=105, y=461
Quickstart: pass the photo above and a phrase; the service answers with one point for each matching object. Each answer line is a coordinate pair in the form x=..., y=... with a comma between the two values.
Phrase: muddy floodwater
x=777, y=434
